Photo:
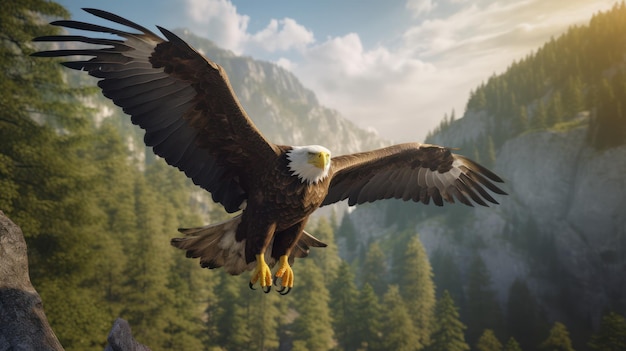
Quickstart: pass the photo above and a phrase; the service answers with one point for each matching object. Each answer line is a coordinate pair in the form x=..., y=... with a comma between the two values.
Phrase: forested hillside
x=98, y=216
x=554, y=251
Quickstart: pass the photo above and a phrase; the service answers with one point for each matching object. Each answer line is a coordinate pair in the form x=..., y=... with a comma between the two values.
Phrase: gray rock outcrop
x=121, y=338
x=23, y=324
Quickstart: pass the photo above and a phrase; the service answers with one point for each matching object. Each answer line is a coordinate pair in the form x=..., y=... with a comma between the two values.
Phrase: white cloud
x=377, y=88
x=420, y=7
x=402, y=91
x=286, y=64
x=218, y=20
x=282, y=35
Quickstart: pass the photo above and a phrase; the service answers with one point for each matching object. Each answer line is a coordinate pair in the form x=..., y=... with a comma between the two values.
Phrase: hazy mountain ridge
x=283, y=109
x=552, y=126
x=280, y=106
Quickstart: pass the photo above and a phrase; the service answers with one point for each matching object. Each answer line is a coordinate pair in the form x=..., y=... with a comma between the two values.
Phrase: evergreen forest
x=98, y=220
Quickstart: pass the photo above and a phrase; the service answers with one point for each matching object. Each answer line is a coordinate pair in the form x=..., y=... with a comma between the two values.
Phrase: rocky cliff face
x=576, y=196
x=562, y=229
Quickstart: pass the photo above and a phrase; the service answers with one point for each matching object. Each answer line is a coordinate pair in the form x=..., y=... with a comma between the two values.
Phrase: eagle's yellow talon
x=262, y=274
x=285, y=273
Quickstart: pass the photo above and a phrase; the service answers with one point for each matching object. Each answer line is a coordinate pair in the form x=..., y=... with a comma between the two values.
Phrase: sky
x=395, y=67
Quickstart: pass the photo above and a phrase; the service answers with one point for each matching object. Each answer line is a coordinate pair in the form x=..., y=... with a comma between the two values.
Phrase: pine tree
x=184, y=324
x=327, y=258
x=417, y=289
x=520, y=123
x=540, y=117
x=512, y=345
x=558, y=340
x=312, y=329
x=556, y=110
x=448, y=334
x=148, y=301
x=611, y=336
x=229, y=315
x=488, y=342
x=264, y=316
x=343, y=308
x=573, y=97
x=398, y=331
x=368, y=315
x=116, y=179
x=374, y=269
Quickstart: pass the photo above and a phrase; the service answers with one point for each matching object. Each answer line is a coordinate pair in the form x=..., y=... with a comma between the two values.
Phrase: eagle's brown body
x=278, y=208
x=193, y=120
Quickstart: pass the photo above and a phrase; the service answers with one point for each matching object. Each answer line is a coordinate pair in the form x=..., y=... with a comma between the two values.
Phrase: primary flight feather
x=193, y=120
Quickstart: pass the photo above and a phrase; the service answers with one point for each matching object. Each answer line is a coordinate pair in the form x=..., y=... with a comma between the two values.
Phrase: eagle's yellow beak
x=319, y=159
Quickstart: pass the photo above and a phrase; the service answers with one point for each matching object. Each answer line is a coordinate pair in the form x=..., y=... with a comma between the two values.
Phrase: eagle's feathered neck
x=309, y=163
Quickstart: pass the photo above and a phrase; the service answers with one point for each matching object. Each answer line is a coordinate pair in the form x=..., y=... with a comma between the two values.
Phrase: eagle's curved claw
x=285, y=273
x=262, y=274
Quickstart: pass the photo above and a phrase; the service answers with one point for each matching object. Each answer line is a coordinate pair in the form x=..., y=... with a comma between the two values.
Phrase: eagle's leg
x=285, y=273
x=262, y=274
x=284, y=242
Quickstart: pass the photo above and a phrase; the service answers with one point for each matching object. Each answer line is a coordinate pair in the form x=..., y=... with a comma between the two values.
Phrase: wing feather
x=412, y=171
x=182, y=100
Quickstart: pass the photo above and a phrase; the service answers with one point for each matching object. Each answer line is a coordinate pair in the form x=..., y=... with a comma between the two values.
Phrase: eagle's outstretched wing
x=411, y=171
x=184, y=102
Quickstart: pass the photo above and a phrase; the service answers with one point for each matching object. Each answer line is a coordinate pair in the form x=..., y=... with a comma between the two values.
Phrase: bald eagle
x=194, y=121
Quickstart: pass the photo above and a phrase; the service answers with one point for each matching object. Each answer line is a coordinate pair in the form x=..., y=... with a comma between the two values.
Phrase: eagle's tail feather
x=301, y=249
x=215, y=245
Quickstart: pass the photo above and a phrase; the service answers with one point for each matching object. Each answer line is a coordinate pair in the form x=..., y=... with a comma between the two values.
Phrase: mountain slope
x=284, y=110
x=552, y=126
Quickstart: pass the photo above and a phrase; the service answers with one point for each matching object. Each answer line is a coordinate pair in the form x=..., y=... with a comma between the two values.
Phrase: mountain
x=284, y=110
x=553, y=127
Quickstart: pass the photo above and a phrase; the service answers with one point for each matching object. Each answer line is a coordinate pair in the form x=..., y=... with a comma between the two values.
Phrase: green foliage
x=488, y=341
x=448, y=333
x=368, y=324
x=313, y=327
x=611, y=336
x=512, y=345
x=414, y=278
x=229, y=315
x=558, y=340
x=374, y=270
x=343, y=307
x=328, y=258
x=608, y=121
x=556, y=83
x=397, y=326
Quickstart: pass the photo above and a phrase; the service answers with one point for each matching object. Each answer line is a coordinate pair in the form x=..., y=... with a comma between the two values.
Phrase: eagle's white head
x=309, y=163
